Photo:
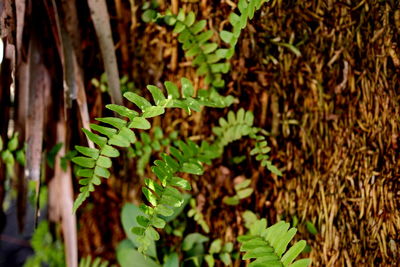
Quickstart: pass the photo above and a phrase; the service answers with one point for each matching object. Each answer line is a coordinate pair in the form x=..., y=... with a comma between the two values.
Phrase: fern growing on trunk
x=267, y=246
x=96, y=162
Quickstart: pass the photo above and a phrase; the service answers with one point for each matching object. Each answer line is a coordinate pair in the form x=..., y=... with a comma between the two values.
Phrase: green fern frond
x=261, y=150
x=238, y=125
x=147, y=144
x=97, y=262
x=247, y=8
x=198, y=216
x=164, y=195
x=195, y=40
x=268, y=246
x=242, y=189
x=234, y=127
x=95, y=162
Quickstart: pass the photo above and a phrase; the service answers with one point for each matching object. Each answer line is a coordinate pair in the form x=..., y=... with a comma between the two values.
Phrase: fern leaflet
x=268, y=246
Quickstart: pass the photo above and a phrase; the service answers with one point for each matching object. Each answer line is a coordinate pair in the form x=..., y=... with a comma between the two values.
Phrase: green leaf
x=171, y=260
x=204, y=37
x=187, y=87
x=157, y=94
x=311, y=228
x=244, y=193
x=293, y=252
x=140, y=123
x=89, y=152
x=180, y=182
x=228, y=247
x=221, y=53
x=153, y=111
x=127, y=256
x=109, y=151
x=281, y=245
x=198, y=26
x=243, y=184
x=98, y=140
x=234, y=19
x=95, y=180
x=209, y=47
x=151, y=184
x=191, y=239
x=231, y=200
x=172, y=164
x=107, y=131
x=210, y=260
x=130, y=211
x=152, y=233
x=179, y=27
x=79, y=200
x=102, y=172
x=225, y=258
x=149, y=15
x=191, y=168
x=190, y=18
x=119, y=140
x=1, y=144
x=116, y=122
x=172, y=89
x=215, y=246
x=157, y=222
x=139, y=101
x=51, y=155
x=85, y=173
x=301, y=263
x=164, y=210
x=258, y=253
x=274, y=169
x=138, y=230
x=149, y=196
x=104, y=162
x=13, y=143
x=249, y=118
x=226, y=36
x=128, y=134
x=193, y=51
x=122, y=111
x=84, y=162
x=142, y=221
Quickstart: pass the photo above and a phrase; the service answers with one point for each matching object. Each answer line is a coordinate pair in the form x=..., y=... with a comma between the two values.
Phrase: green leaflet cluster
x=196, y=43
x=163, y=196
x=10, y=153
x=198, y=216
x=234, y=127
x=242, y=189
x=247, y=8
x=210, y=60
x=49, y=251
x=261, y=151
x=95, y=162
x=238, y=125
x=268, y=246
x=223, y=251
x=146, y=144
x=96, y=262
